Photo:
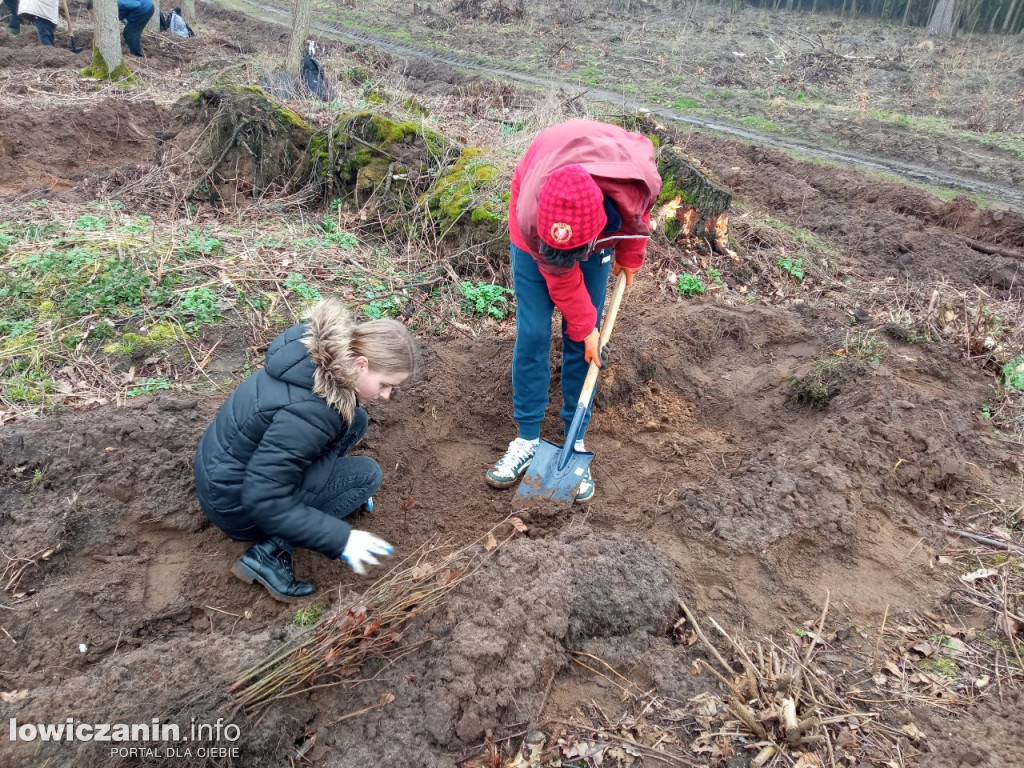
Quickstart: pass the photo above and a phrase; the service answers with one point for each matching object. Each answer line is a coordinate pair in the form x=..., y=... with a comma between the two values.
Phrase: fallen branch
x=994, y=250
x=991, y=542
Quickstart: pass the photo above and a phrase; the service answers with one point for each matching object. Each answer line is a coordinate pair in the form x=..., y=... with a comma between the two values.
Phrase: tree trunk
x=154, y=21
x=691, y=204
x=941, y=23
x=297, y=41
x=188, y=12
x=1008, y=17
x=106, y=37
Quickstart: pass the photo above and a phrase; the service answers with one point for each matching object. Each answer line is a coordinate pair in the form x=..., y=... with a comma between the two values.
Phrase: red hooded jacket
x=622, y=163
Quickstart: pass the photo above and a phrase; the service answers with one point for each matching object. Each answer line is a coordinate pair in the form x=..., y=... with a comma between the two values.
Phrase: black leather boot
x=272, y=567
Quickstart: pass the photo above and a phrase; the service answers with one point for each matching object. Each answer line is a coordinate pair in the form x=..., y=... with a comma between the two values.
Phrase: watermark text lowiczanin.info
x=158, y=739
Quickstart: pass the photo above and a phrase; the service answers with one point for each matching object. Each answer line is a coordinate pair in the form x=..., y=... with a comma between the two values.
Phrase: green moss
x=373, y=174
x=942, y=665
x=98, y=69
x=669, y=191
x=415, y=107
x=292, y=118
x=363, y=150
x=468, y=187
x=357, y=75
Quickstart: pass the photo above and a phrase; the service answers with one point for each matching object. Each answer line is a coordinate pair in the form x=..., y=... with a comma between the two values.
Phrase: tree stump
x=366, y=155
x=691, y=204
x=234, y=144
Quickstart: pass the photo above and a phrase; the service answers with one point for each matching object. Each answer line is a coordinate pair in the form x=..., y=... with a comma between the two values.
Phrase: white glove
x=361, y=548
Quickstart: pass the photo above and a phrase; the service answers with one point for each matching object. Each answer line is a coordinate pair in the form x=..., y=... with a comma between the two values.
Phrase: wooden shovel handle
x=67, y=12
x=607, y=323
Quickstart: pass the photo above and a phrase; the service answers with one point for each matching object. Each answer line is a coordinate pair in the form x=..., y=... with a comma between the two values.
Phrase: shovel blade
x=555, y=473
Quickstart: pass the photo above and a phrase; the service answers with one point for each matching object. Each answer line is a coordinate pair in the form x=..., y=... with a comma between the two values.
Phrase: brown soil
x=713, y=487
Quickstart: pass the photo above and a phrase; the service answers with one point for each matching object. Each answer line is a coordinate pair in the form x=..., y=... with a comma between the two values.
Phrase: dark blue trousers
x=14, y=23
x=531, y=367
x=133, y=32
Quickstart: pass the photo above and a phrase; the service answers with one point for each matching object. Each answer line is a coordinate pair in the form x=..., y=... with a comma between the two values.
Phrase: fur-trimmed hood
x=318, y=356
x=329, y=340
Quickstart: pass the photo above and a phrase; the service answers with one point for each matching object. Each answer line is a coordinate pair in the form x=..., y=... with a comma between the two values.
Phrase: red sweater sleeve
x=630, y=253
x=569, y=293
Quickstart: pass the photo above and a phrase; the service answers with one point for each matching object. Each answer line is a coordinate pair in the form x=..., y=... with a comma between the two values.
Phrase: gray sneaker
x=509, y=468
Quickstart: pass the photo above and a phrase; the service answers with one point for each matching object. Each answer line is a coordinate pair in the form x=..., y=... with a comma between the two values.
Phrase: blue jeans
x=46, y=30
x=531, y=369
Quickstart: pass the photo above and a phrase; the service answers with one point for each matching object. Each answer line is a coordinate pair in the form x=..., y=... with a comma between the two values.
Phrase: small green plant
x=296, y=283
x=509, y=128
x=795, y=267
x=690, y=285
x=715, y=276
x=200, y=242
x=37, y=476
x=90, y=223
x=308, y=616
x=485, y=299
x=1013, y=374
x=141, y=224
x=148, y=386
x=197, y=307
x=986, y=412
x=686, y=104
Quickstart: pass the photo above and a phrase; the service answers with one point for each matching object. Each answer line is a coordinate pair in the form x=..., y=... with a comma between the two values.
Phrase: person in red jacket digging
x=581, y=195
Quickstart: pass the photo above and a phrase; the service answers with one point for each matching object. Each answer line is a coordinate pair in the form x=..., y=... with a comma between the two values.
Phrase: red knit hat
x=570, y=208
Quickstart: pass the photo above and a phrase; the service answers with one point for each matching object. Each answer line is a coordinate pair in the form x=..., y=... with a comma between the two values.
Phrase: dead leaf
x=925, y=648
x=913, y=732
x=518, y=524
x=1007, y=625
x=981, y=573
x=846, y=739
x=490, y=542
x=10, y=696
x=386, y=699
x=808, y=760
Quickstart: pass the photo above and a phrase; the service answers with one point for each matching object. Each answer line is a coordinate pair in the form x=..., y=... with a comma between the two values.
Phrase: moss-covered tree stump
x=691, y=204
x=366, y=154
x=235, y=143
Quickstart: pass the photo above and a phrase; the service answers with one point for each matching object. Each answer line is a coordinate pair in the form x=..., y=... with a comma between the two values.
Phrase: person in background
x=135, y=14
x=273, y=467
x=582, y=191
x=13, y=23
x=45, y=14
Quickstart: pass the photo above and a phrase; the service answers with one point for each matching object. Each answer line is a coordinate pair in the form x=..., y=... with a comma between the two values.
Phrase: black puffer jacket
x=274, y=442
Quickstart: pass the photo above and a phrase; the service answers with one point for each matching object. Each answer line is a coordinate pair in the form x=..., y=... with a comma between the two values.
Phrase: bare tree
x=153, y=25
x=941, y=23
x=188, y=11
x=297, y=41
x=106, y=46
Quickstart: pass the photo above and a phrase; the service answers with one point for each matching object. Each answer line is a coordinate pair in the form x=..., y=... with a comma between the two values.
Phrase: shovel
x=557, y=472
x=71, y=46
